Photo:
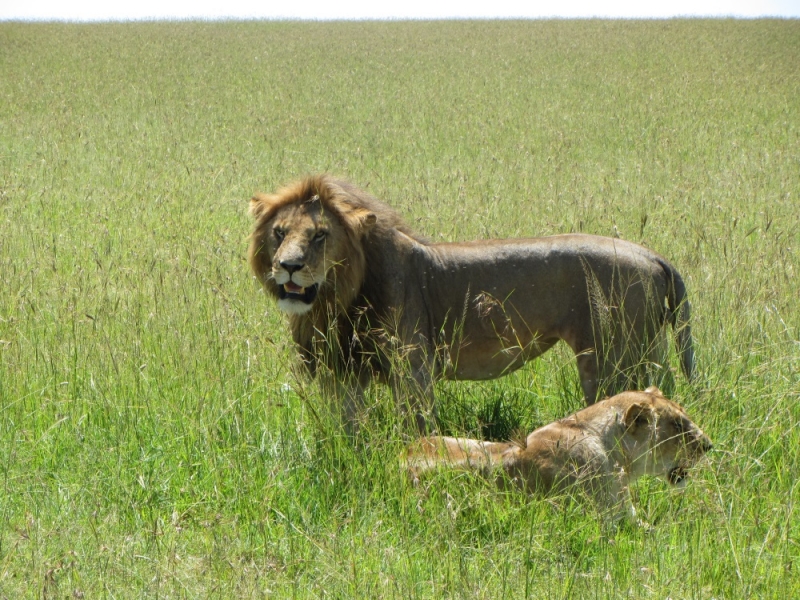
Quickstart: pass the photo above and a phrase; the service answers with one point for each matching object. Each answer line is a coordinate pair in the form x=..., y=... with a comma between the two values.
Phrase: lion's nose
x=291, y=267
x=705, y=443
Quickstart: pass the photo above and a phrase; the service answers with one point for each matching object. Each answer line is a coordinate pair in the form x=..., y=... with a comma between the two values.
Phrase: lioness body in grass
x=603, y=448
x=366, y=296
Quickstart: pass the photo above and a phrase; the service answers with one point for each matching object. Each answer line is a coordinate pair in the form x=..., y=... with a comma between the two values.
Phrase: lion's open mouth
x=677, y=475
x=292, y=291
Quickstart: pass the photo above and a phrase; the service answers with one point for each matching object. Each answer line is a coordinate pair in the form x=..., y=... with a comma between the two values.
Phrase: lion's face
x=306, y=246
x=667, y=442
x=305, y=242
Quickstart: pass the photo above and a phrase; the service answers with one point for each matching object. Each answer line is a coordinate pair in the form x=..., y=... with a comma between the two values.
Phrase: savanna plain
x=155, y=439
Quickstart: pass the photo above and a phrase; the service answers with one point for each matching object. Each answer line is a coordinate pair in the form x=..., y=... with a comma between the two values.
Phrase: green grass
x=153, y=439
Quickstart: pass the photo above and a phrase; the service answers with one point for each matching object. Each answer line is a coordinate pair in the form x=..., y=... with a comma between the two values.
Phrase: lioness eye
x=279, y=233
x=320, y=235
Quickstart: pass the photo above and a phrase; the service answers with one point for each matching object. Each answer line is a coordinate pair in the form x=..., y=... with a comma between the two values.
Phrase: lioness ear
x=654, y=390
x=637, y=414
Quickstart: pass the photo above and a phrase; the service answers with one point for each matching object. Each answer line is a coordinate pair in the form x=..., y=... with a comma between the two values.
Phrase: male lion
x=603, y=448
x=367, y=297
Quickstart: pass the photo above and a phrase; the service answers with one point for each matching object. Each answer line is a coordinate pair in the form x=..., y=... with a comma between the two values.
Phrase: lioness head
x=661, y=439
x=306, y=245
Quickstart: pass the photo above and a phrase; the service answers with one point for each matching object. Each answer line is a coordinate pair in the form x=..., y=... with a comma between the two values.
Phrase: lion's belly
x=489, y=358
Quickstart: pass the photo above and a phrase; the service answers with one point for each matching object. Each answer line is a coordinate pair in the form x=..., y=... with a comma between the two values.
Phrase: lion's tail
x=434, y=452
x=679, y=313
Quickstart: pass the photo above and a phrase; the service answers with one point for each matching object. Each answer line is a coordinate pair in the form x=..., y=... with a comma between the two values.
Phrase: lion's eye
x=279, y=234
x=680, y=426
x=320, y=235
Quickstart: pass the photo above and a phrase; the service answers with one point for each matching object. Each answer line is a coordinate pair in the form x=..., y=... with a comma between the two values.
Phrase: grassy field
x=153, y=440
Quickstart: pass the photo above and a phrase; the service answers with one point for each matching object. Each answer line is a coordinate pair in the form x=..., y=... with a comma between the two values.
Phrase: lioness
x=366, y=296
x=604, y=448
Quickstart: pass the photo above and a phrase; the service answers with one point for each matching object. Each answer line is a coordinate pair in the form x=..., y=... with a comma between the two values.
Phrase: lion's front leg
x=345, y=398
x=616, y=502
x=408, y=366
x=412, y=388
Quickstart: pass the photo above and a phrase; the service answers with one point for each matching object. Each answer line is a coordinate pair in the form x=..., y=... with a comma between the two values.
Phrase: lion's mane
x=364, y=251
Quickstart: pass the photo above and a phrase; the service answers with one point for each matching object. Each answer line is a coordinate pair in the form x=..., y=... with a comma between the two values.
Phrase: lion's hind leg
x=589, y=374
x=637, y=358
x=626, y=357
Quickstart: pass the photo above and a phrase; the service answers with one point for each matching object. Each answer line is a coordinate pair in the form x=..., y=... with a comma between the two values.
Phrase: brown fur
x=603, y=448
x=362, y=290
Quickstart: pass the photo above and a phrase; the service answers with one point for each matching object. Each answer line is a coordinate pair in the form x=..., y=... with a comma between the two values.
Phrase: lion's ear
x=654, y=390
x=366, y=220
x=638, y=414
x=261, y=204
x=357, y=219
